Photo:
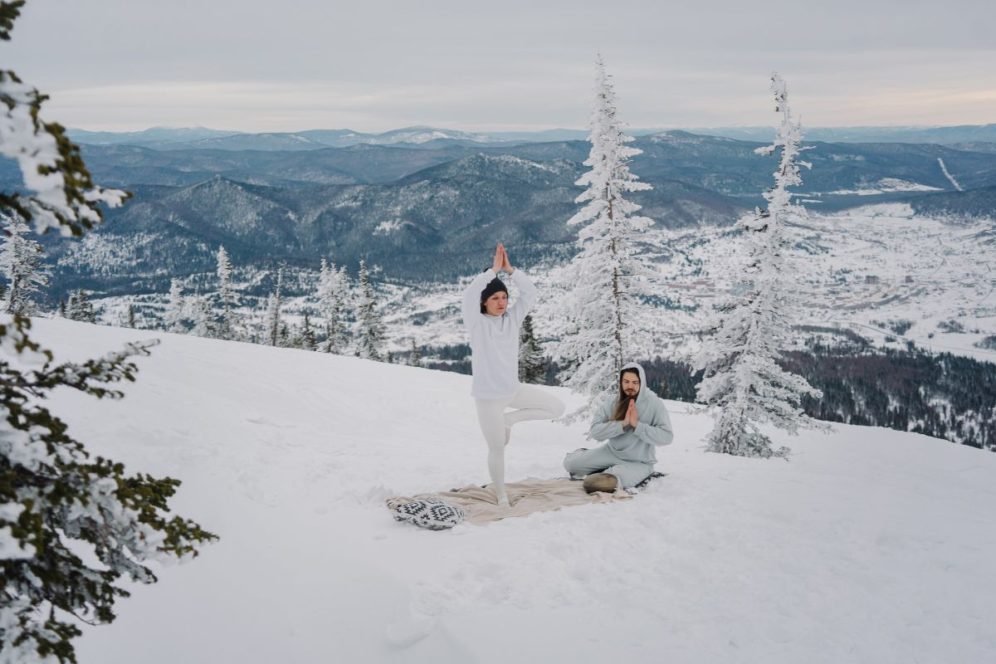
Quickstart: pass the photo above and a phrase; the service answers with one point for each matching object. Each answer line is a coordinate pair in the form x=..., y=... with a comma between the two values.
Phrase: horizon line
x=525, y=131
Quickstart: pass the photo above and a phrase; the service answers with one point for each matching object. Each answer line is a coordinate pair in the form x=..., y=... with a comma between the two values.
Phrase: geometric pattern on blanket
x=430, y=514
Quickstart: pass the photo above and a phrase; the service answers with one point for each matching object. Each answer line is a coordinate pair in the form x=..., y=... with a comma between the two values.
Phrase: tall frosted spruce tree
x=370, y=332
x=229, y=327
x=175, y=316
x=20, y=266
x=71, y=525
x=606, y=276
x=201, y=316
x=272, y=322
x=333, y=297
x=79, y=307
x=750, y=330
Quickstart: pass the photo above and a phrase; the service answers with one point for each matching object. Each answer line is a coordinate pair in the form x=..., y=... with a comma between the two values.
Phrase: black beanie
x=494, y=286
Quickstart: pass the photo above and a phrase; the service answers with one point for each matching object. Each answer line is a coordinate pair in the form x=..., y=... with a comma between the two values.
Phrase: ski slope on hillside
x=869, y=545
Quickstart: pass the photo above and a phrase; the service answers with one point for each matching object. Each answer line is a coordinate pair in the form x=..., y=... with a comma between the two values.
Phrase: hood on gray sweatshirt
x=643, y=396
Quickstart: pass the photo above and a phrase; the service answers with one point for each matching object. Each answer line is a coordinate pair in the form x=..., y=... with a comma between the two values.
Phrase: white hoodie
x=494, y=340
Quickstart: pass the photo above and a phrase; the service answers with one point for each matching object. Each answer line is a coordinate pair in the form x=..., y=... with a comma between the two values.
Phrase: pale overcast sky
x=373, y=65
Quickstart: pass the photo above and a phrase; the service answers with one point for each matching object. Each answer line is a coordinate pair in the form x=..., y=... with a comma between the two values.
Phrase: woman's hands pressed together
x=501, y=262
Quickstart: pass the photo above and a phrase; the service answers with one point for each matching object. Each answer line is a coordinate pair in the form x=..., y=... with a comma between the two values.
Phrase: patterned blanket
x=478, y=505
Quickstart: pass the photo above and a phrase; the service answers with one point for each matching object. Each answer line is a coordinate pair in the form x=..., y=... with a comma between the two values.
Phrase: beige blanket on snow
x=525, y=497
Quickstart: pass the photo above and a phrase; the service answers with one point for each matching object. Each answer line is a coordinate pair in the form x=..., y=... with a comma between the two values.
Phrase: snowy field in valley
x=880, y=271
x=869, y=545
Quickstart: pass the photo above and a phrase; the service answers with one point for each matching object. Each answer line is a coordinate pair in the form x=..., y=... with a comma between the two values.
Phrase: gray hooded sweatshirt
x=653, y=428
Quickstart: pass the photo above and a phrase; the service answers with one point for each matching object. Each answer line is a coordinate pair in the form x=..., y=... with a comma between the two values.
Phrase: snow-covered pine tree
x=130, y=316
x=415, y=355
x=306, y=339
x=333, y=296
x=175, y=316
x=272, y=322
x=201, y=316
x=80, y=308
x=532, y=363
x=20, y=266
x=742, y=377
x=57, y=501
x=229, y=325
x=69, y=307
x=285, y=339
x=607, y=274
x=256, y=324
x=370, y=331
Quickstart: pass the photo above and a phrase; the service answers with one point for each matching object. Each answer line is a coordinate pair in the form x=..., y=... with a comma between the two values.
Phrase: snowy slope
x=870, y=545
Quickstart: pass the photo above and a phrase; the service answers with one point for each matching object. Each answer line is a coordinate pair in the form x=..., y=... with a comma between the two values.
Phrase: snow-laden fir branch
x=60, y=193
x=55, y=499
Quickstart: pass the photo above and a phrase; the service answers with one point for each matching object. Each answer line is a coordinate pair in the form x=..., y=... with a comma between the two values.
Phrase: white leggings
x=530, y=403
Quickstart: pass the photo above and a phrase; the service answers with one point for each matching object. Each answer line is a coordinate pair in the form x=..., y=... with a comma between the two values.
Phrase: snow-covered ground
x=868, y=546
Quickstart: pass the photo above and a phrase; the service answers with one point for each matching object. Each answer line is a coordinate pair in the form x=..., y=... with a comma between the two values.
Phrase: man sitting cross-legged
x=633, y=424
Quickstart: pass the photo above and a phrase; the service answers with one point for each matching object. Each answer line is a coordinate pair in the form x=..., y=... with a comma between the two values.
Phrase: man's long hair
x=622, y=403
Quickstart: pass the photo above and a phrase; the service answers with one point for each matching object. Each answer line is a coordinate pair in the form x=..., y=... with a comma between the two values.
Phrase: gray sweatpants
x=602, y=460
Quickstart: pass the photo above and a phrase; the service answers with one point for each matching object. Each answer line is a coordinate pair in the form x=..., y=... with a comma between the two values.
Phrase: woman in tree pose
x=493, y=327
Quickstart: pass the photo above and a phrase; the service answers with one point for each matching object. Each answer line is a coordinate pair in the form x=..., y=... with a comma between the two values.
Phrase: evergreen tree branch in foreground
x=53, y=491
x=55, y=497
x=60, y=193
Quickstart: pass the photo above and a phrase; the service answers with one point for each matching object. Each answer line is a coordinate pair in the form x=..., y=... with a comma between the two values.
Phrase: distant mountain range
x=165, y=138
x=956, y=135
x=843, y=174
x=434, y=224
x=424, y=211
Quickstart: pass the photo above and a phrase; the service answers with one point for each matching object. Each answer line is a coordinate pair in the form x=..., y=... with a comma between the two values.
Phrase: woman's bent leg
x=490, y=417
x=533, y=403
